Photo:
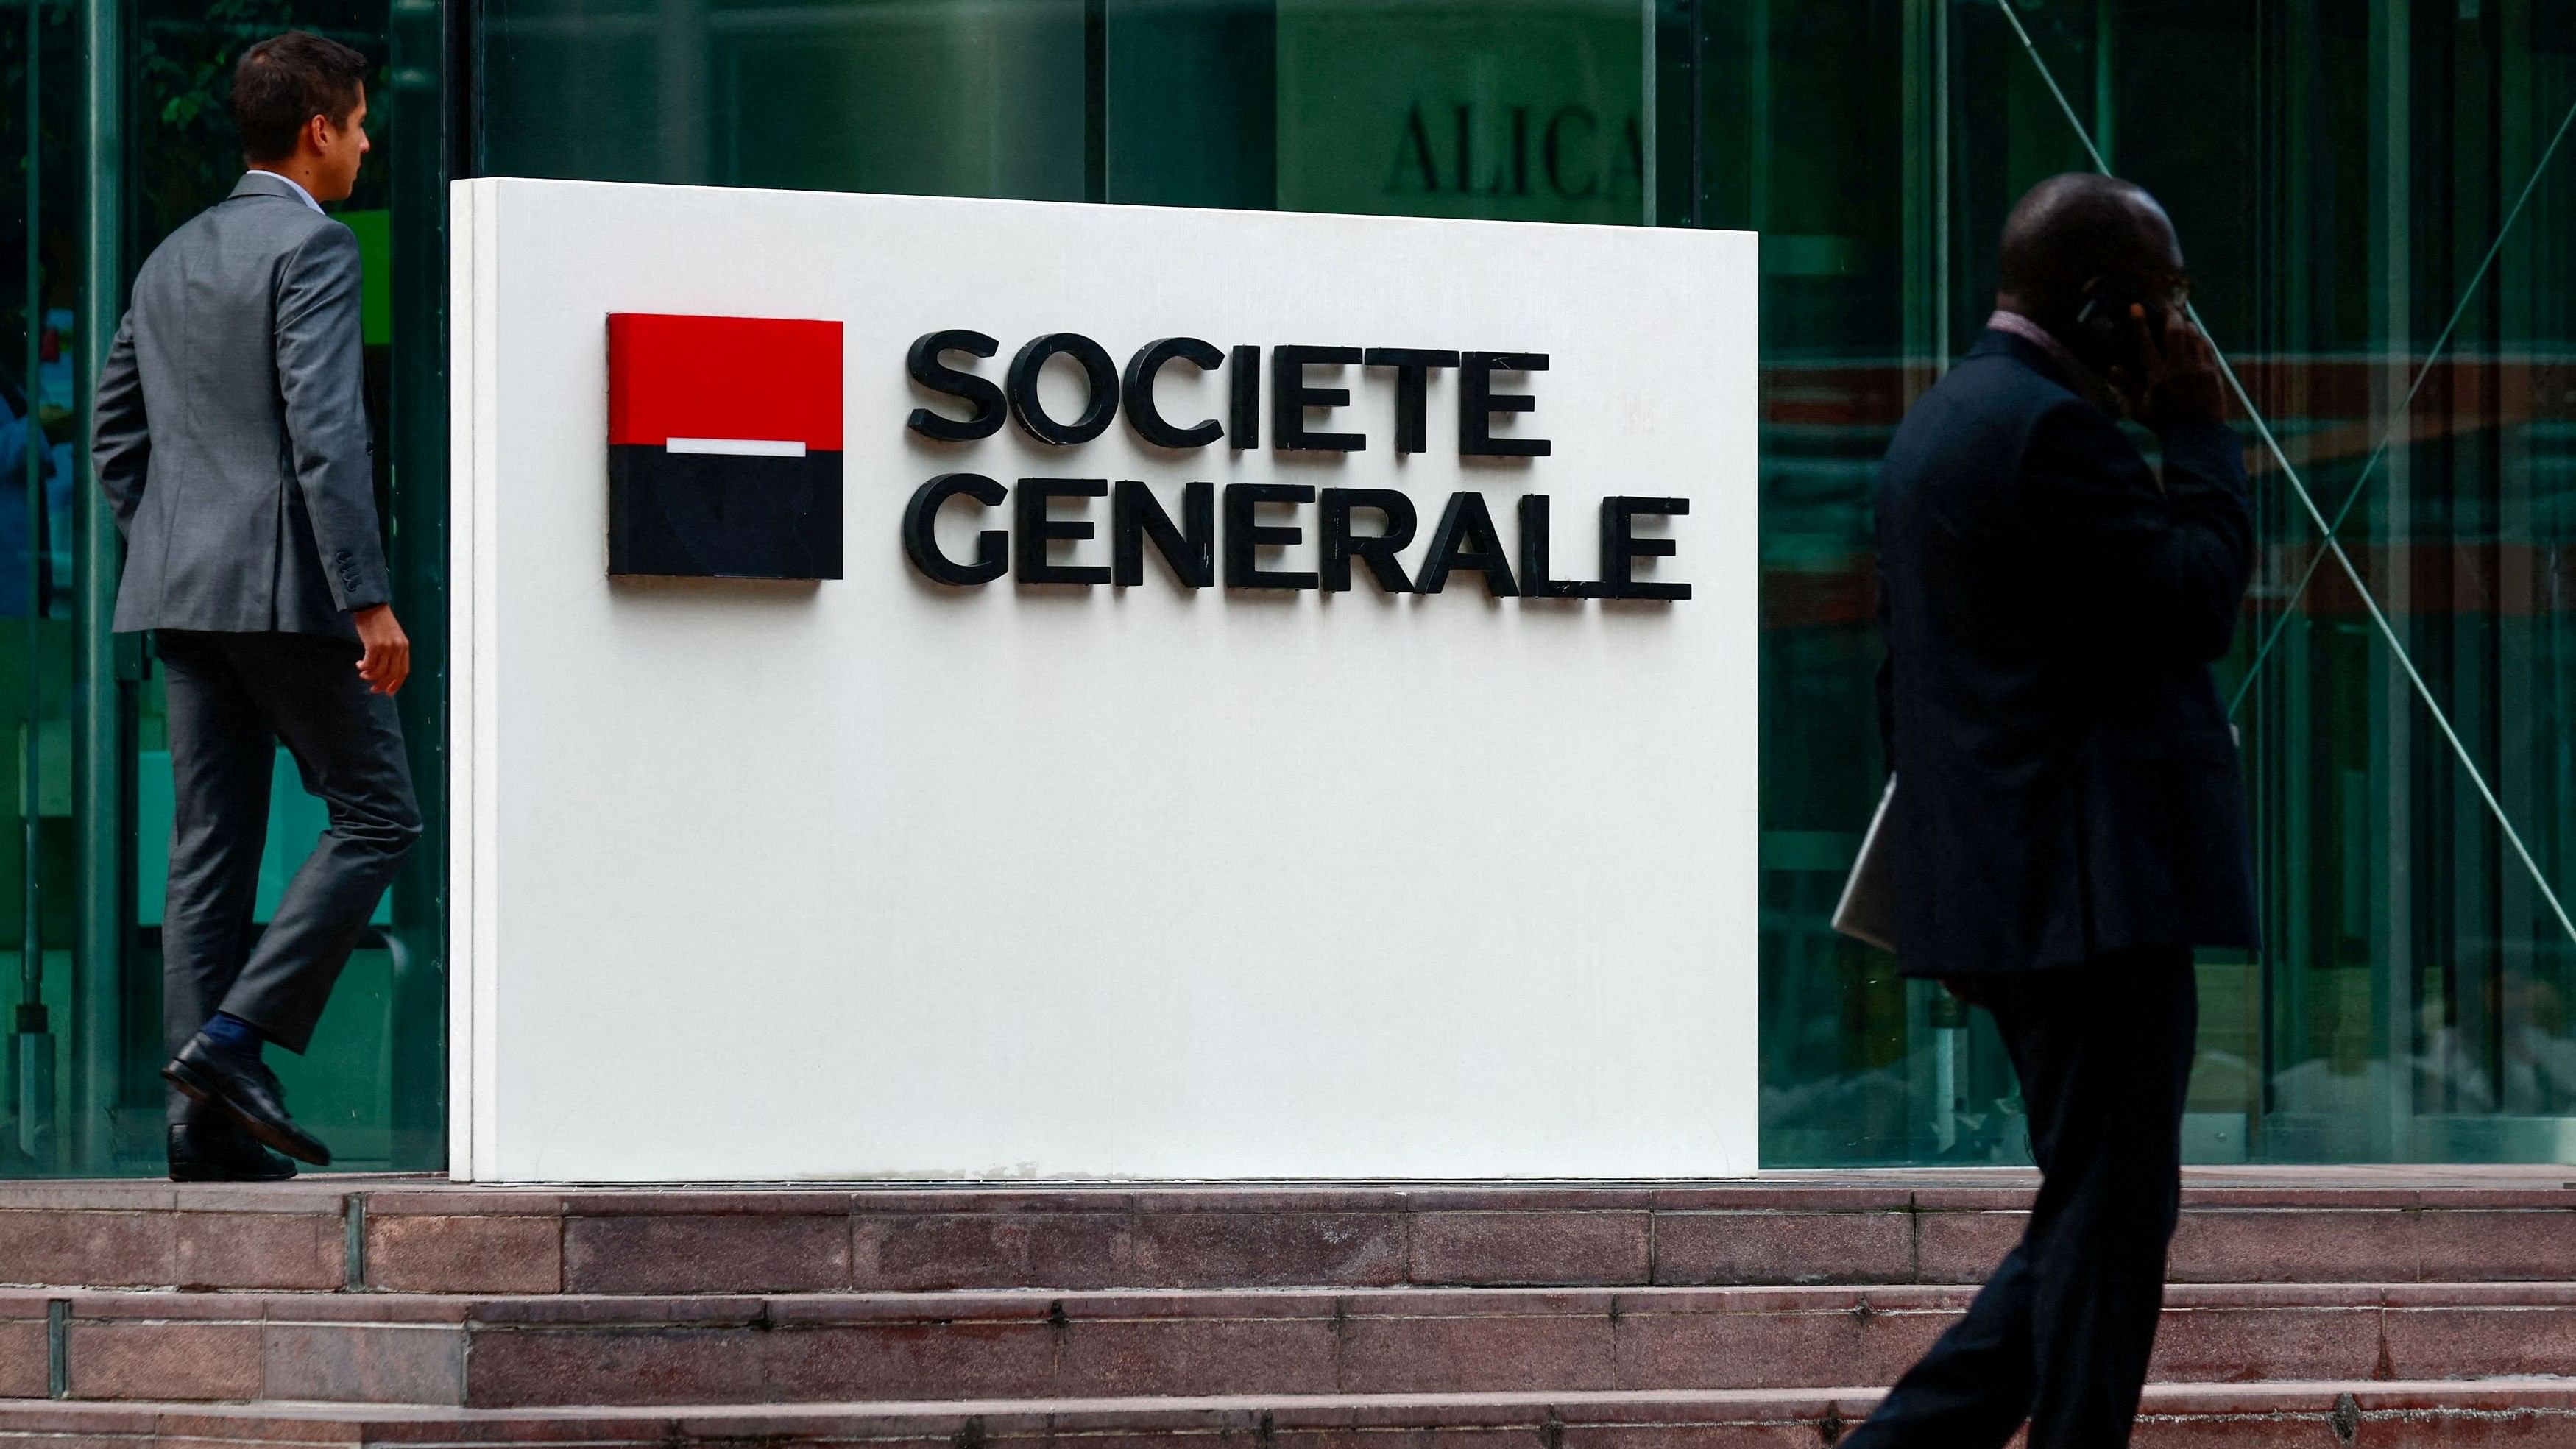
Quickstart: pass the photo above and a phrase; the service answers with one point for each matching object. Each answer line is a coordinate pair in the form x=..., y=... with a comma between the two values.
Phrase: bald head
x=2068, y=230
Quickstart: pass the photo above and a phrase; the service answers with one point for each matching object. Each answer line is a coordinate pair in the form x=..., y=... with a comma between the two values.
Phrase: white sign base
x=880, y=878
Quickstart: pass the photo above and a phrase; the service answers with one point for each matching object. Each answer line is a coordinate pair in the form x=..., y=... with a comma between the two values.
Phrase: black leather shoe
x=215, y=1150
x=247, y=1090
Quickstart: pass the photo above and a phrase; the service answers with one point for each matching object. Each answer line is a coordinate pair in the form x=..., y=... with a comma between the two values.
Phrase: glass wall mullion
x=102, y=803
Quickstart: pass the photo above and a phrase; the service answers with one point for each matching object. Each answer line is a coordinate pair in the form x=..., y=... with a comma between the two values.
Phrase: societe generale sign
x=724, y=461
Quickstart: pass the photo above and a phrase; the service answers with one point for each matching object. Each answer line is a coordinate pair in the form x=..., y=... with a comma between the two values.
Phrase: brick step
x=560, y=1349
x=2352, y=1414
x=423, y=1235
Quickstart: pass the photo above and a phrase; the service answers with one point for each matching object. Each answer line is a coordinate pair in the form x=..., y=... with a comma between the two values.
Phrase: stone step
x=2349, y=1414
x=421, y=1235
x=570, y=1349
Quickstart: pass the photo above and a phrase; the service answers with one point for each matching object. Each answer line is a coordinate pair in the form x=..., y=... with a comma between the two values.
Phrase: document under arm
x=1867, y=911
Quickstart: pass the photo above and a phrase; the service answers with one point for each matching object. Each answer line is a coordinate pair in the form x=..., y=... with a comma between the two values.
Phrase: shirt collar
x=2082, y=380
x=306, y=196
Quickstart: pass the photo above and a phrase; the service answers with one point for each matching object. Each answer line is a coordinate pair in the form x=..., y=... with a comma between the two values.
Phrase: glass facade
x=2376, y=204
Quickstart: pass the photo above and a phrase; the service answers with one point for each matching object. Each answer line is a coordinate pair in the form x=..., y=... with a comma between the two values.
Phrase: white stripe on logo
x=743, y=447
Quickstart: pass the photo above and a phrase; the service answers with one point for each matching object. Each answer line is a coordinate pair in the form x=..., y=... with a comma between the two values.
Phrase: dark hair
x=287, y=80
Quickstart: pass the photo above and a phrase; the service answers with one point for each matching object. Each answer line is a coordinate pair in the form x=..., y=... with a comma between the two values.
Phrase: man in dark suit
x=2069, y=819
x=231, y=442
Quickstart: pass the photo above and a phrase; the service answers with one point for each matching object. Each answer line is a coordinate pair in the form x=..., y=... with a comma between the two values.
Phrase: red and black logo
x=724, y=447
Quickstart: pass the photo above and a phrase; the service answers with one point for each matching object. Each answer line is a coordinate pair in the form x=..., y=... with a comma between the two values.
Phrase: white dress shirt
x=299, y=188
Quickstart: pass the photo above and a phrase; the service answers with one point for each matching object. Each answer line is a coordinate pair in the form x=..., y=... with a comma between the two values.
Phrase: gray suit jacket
x=232, y=430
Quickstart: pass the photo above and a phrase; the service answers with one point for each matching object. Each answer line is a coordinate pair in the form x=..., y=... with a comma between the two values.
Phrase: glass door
x=39, y=429
x=82, y=1095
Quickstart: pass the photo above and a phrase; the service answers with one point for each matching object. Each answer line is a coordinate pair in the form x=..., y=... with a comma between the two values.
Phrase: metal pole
x=35, y=1046
x=98, y=776
x=32, y=768
x=430, y=92
x=1095, y=100
x=1649, y=174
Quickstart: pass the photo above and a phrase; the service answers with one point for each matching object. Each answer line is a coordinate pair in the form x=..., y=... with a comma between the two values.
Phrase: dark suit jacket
x=231, y=429
x=2067, y=785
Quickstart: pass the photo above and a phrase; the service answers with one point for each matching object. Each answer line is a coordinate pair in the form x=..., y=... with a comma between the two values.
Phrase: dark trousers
x=232, y=699
x=2061, y=1333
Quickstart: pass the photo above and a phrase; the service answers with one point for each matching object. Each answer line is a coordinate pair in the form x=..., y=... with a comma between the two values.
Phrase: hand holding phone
x=2106, y=335
x=2180, y=376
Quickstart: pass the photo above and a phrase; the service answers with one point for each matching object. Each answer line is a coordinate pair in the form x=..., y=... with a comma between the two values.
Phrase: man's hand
x=2183, y=384
x=387, y=660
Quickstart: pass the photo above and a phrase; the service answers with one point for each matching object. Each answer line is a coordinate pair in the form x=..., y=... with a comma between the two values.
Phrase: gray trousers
x=232, y=699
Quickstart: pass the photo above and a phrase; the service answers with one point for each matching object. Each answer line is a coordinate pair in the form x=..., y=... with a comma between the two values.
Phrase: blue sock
x=232, y=1034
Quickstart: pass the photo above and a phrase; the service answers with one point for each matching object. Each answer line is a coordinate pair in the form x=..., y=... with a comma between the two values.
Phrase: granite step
x=421, y=1235
x=2346, y=1414
x=575, y=1349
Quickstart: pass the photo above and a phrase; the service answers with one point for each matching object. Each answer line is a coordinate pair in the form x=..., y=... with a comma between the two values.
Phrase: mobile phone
x=2107, y=336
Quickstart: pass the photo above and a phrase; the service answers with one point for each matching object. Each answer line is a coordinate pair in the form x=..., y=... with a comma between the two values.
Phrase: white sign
x=887, y=877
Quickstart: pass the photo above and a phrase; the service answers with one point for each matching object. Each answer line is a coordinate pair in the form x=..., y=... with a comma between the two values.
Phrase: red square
x=724, y=447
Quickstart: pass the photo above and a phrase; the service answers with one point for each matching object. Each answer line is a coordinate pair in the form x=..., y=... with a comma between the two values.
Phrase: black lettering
x=1535, y=583
x=1413, y=150
x=1478, y=402
x=1339, y=545
x=1036, y=531
x=1138, y=394
x=922, y=362
x=1243, y=388
x=1466, y=149
x=1412, y=389
x=1552, y=152
x=1189, y=551
x=1100, y=375
x=1619, y=545
x=1465, y=538
x=921, y=538
x=1243, y=535
x=1290, y=397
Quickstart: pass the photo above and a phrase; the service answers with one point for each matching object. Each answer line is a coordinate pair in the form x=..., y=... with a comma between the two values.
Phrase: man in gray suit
x=232, y=443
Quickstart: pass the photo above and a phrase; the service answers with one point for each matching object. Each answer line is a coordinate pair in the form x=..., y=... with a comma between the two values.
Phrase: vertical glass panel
x=184, y=157
x=2320, y=711
x=1191, y=99
x=39, y=292
x=977, y=98
x=1821, y=129
x=2422, y=321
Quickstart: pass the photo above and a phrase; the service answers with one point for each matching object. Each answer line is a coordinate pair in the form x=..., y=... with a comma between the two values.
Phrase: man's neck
x=2083, y=380
x=302, y=176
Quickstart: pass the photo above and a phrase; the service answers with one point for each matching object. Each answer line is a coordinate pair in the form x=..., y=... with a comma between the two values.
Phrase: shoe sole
x=180, y=1075
x=216, y=1174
